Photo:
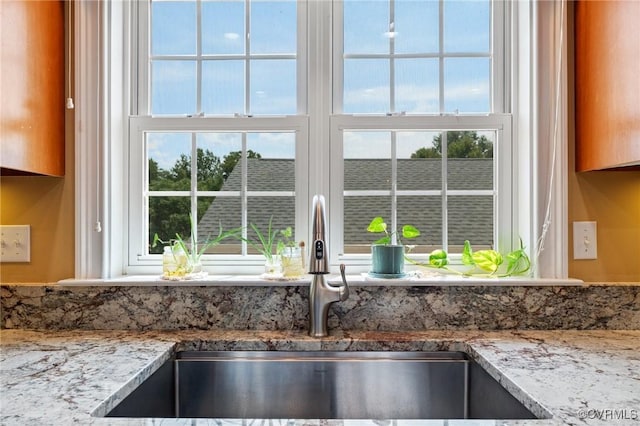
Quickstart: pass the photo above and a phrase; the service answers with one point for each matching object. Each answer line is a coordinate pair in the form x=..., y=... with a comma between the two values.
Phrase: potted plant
x=387, y=253
x=291, y=254
x=181, y=259
x=267, y=245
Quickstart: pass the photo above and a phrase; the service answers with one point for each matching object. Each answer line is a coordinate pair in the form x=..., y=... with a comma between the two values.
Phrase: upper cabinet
x=32, y=87
x=607, y=76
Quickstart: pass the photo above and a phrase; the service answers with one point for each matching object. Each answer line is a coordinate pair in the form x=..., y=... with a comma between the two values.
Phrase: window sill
x=353, y=280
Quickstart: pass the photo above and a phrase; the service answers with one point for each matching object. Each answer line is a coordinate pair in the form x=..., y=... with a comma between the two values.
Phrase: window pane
x=219, y=212
x=470, y=218
x=173, y=27
x=467, y=26
x=173, y=87
x=416, y=24
x=417, y=85
x=366, y=26
x=358, y=213
x=273, y=87
x=169, y=157
x=168, y=216
x=467, y=85
x=367, y=161
x=261, y=209
x=271, y=162
x=366, y=86
x=419, y=161
x=218, y=161
x=470, y=160
x=425, y=213
x=223, y=87
x=273, y=27
x=223, y=27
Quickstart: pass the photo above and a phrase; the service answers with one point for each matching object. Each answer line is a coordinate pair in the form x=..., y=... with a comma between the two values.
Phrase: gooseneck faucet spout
x=321, y=293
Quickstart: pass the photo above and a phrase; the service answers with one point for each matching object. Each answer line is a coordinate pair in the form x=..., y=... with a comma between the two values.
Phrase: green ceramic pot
x=387, y=259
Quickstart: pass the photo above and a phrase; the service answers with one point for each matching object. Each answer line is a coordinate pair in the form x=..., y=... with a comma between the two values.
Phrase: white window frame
x=101, y=36
x=499, y=120
x=138, y=260
x=500, y=78
x=504, y=211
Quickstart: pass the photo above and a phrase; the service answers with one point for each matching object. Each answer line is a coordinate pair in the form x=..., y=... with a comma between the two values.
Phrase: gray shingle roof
x=471, y=214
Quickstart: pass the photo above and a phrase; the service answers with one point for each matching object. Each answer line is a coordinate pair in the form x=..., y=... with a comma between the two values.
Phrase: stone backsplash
x=382, y=308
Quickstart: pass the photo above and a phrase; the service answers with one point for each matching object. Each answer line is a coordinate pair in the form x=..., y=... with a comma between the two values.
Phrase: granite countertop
x=69, y=377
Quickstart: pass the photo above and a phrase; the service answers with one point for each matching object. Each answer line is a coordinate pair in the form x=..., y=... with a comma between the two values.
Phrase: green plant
x=286, y=240
x=266, y=243
x=193, y=249
x=517, y=261
x=378, y=226
x=481, y=263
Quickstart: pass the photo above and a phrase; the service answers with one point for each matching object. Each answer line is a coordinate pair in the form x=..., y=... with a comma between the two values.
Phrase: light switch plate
x=585, y=242
x=15, y=243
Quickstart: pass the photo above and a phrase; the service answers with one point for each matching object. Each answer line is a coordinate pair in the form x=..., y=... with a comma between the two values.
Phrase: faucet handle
x=344, y=290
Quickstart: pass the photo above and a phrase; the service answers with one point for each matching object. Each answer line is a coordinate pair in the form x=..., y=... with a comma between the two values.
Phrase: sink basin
x=321, y=385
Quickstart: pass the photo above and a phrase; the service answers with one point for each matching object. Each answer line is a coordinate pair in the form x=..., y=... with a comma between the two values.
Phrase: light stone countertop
x=63, y=377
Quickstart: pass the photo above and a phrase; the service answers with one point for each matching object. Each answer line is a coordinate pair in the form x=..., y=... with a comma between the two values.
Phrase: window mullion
x=247, y=57
x=244, y=202
x=392, y=74
x=445, y=195
x=338, y=58
x=394, y=186
x=199, y=57
x=500, y=58
x=141, y=102
x=441, y=55
x=194, y=184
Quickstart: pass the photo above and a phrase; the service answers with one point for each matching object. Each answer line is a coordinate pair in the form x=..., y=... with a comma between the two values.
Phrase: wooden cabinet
x=607, y=77
x=32, y=97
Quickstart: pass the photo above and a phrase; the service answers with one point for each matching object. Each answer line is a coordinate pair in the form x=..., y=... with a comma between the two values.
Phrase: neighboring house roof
x=471, y=214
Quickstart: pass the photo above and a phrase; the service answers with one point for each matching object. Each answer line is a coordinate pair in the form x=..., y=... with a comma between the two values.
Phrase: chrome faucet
x=321, y=293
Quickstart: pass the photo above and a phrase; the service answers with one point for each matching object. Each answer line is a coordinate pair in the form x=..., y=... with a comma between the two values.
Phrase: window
x=420, y=128
x=248, y=108
x=220, y=130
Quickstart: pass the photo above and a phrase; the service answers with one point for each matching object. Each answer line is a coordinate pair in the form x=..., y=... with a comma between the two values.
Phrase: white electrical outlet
x=15, y=243
x=585, y=242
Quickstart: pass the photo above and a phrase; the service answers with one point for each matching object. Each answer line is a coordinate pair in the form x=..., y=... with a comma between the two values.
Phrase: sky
x=369, y=30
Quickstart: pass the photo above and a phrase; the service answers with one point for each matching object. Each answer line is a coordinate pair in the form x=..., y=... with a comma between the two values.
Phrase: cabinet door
x=32, y=87
x=607, y=49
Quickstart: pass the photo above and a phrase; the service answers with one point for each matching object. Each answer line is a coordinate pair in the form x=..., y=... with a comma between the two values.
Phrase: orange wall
x=611, y=198
x=46, y=204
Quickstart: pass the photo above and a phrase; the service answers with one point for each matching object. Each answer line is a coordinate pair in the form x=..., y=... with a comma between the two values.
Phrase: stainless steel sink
x=321, y=385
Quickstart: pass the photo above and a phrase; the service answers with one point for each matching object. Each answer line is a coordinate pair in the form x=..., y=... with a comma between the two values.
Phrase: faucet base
x=321, y=295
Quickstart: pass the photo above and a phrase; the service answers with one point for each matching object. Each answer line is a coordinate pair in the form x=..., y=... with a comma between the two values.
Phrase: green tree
x=209, y=173
x=461, y=144
x=231, y=160
x=424, y=152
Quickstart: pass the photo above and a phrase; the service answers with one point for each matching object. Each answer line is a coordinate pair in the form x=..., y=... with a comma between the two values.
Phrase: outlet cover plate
x=15, y=243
